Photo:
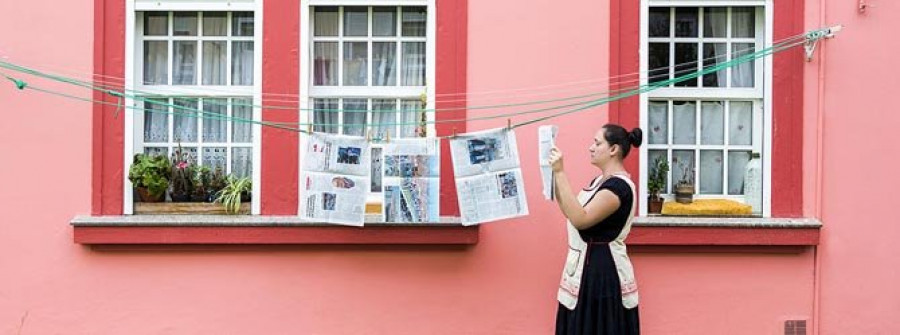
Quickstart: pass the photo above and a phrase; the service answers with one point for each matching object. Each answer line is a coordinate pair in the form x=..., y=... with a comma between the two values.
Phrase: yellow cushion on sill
x=707, y=207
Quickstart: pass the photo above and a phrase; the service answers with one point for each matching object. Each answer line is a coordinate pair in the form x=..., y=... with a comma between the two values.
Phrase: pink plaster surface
x=503, y=285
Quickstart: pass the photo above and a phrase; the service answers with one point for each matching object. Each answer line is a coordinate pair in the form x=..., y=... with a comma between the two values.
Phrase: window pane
x=185, y=124
x=684, y=122
x=325, y=64
x=184, y=63
x=356, y=21
x=241, y=162
x=686, y=21
x=241, y=130
x=384, y=117
x=215, y=158
x=156, y=57
x=712, y=122
x=384, y=21
x=325, y=116
x=156, y=151
x=742, y=74
x=413, y=64
x=215, y=23
x=659, y=122
x=715, y=22
x=156, y=23
x=242, y=24
x=652, y=155
x=326, y=19
x=740, y=123
x=376, y=170
x=354, y=117
x=686, y=63
x=682, y=166
x=659, y=21
x=242, y=63
x=156, y=122
x=355, y=63
x=410, y=117
x=743, y=22
x=713, y=54
x=658, y=62
x=214, y=62
x=184, y=24
x=414, y=21
x=214, y=124
x=384, y=63
x=737, y=166
x=711, y=171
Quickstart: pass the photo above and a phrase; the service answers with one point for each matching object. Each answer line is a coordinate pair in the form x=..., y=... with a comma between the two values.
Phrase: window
x=368, y=73
x=196, y=74
x=707, y=128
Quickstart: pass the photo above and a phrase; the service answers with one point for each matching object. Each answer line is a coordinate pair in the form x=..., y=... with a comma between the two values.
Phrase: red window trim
x=280, y=149
x=787, y=97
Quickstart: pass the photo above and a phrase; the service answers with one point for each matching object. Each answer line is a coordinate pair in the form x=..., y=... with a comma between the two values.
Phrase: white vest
x=570, y=284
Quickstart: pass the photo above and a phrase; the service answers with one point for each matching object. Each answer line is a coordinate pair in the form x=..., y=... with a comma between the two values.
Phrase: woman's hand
x=556, y=159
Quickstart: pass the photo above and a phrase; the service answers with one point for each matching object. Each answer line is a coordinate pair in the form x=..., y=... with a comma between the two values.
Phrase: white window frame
x=369, y=92
x=762, y=93
x=134, y=81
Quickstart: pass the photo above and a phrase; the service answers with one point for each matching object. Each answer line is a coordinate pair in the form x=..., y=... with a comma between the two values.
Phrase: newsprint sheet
x=488, y=176
x=411, y=180
x=334, y=179
x=546, y=141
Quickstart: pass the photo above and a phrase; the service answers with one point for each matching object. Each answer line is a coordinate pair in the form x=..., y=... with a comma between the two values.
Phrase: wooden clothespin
x=309, y=128
x=508, y=124
x=388, y=136
x=454, y=133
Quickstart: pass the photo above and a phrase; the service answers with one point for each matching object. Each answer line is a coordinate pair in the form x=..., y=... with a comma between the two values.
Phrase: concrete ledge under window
x=246, y=229
x=723, y=231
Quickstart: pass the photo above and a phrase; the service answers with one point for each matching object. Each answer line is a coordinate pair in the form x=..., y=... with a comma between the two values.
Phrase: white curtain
x=384, y=21
x=742, y=74
x=214, y=127
x=215, y=158
x=184, y=24
x=414, y=21
x=325, y=116
x=156, y=23
x=411, y=111
x=242, y=131
x=214, y=62
x=355, y=116
x=215, y=23
x=659, y=122
x=156, y=122
x=325, y=64
x=384, y=117
x=712, y=123
x=355, y=63
x=356, y=21
x=740, y=123
x=737, y=165
x=185, y=124
x=156, y=56
x=715, y=25
x=241, y=161
x=413, y=64
x=684, y=126
x=184, y=63
x=326, y=21
x=384, y=62
x=242, y=63
x=711, y=172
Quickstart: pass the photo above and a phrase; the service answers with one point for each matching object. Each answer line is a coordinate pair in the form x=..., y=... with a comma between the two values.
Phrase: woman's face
x=600, y=149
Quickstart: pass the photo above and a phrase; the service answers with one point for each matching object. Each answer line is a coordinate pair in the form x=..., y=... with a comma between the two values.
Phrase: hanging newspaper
x=546, y=140
x=488, y=176
x=334, y=179
x=411, y=180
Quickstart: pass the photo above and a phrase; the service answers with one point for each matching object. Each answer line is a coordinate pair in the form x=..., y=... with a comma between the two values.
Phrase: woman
x=598, y=293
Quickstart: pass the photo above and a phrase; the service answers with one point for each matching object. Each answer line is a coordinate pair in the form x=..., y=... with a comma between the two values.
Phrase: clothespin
x=454, y=133
x=309, y=128
x=388, y=136
x=369, y=135
x=508, y=124
x=118, y=104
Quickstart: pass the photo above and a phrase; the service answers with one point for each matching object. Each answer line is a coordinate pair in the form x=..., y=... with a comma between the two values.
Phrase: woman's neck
x=613, y=168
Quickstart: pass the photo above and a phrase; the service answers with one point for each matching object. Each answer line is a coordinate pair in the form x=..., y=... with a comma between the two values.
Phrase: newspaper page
x=335, y=179
x=411, y=180
x=488, y=176
x=546, y=141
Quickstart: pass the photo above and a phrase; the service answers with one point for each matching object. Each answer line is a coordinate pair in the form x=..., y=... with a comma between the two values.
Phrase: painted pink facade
x=504, y=284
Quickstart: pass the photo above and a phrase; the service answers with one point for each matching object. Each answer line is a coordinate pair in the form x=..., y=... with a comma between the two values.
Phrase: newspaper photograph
x=334, y=198
x=411, y=179
x=489, y=180
x=335, y=179
x=546, y=141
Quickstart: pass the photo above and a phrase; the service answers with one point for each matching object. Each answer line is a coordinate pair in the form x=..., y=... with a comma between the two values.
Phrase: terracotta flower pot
x=654, y=205
x=145, y=196
x=684, y=194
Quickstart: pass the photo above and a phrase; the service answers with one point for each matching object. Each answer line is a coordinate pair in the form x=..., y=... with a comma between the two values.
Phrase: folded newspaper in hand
x=546, y=140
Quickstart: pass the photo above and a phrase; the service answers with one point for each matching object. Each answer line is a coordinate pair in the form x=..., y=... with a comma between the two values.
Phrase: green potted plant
x=684, y=189
x=656, y=183
x=235, y=191
x=150, y=176
x=182, y=177
x=200, y=181
x=215, y=183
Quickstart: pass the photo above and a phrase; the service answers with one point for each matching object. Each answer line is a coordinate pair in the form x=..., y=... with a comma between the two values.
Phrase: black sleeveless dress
x=599, y=309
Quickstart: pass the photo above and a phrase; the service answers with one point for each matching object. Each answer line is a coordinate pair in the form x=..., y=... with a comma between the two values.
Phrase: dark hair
x=615, y=134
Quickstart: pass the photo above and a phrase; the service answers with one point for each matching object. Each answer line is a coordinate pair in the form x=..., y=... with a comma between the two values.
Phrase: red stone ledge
x=693, y=231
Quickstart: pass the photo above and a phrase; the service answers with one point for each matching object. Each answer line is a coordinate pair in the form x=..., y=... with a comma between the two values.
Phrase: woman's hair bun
x=635, y=137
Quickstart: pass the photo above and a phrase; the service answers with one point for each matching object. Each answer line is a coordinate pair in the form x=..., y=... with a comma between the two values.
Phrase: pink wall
x=857, y=257
x=503, y=285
